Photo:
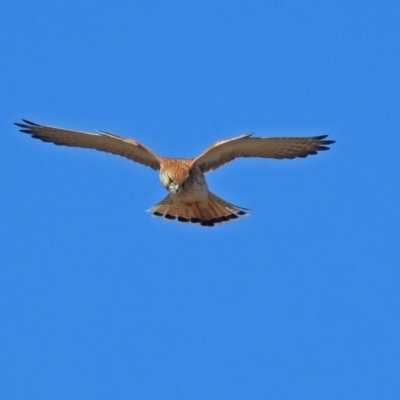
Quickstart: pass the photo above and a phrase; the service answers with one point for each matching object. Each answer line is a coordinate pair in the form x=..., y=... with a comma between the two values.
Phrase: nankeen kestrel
x=189, y=199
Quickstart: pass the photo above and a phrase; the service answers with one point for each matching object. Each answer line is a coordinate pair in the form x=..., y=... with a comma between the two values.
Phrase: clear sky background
x=299, y=301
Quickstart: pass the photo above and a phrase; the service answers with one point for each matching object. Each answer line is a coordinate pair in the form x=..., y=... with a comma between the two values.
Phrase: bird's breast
x=195, y=190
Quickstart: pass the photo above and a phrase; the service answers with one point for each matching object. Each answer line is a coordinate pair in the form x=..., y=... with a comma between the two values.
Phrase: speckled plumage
x=189, y=199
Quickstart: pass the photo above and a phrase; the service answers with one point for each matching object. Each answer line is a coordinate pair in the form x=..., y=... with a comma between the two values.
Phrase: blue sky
x=298, y=301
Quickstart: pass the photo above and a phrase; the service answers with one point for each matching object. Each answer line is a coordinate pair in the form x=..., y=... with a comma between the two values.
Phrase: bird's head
x=173, y=174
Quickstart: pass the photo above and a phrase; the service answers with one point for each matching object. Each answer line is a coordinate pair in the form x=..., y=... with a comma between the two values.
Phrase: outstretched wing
x=102, y=141
x=266, y=147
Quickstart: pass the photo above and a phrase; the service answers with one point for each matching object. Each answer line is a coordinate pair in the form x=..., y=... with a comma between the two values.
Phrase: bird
x=188, y=199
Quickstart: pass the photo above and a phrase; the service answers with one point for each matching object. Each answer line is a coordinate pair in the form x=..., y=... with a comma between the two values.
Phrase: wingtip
x=27, y=126
x=30, y=122
x=319, y=137
x=322, y=143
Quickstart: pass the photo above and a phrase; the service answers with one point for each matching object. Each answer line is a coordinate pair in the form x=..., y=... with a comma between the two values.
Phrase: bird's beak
x=175, y=188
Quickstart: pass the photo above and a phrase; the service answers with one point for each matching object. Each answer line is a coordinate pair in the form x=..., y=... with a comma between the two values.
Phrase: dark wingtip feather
x=327, y=141
x=30, y=122
x=322, y=143
x=20, y=125
x=320, y=137
x=28, y=127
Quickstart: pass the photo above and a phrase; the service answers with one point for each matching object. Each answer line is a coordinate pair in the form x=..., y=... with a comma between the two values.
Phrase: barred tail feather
x=216, y=211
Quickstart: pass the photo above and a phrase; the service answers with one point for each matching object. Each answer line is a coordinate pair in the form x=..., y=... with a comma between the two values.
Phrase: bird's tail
x=215, y=211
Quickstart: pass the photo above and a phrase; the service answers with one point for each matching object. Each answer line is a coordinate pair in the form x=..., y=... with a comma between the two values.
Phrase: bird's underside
x=189, y=199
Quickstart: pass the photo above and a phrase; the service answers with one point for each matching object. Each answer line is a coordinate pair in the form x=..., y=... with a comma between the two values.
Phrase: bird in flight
x=189, y=199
